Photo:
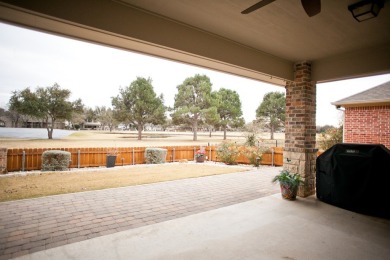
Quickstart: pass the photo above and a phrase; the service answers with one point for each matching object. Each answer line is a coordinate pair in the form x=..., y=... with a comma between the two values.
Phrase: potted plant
x=288, y=184
x=111, y=158
x=200, y=156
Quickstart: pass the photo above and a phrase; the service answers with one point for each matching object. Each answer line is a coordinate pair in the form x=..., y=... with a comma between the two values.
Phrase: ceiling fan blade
x=257, y=6
x=312, y=7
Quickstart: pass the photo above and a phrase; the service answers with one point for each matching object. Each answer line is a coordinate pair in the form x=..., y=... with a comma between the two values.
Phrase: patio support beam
x=300, y=128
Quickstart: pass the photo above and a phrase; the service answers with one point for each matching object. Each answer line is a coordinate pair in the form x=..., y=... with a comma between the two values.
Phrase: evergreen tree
x=271, y=111
x=228, y=106
x=192, y=102
x=139, y=105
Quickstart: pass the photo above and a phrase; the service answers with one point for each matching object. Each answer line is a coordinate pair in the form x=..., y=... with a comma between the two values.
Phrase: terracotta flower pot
x=289, y=192
x=200, y=159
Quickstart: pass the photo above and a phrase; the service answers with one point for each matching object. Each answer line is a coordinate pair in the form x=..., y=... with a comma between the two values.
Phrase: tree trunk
x=195, y=128
x=224, y=132
x=51, y=133
x=49, y=129
x=210, y=132
x=139, y=131
x=272, y=132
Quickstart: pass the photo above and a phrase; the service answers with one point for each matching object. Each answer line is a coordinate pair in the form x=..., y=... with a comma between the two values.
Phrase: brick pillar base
x=3, y=160
x=303, y=162
x=300, y=128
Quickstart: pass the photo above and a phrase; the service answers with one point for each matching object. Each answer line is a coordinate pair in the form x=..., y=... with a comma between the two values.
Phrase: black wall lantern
x=365, y=9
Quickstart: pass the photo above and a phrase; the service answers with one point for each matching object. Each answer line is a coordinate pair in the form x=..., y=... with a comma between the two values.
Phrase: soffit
x=281, y=28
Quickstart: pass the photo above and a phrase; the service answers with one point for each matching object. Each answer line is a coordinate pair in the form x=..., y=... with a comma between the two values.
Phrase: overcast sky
x=95, y=73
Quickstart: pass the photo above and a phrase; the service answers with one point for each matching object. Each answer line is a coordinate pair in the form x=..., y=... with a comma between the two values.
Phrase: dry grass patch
x=51, y=183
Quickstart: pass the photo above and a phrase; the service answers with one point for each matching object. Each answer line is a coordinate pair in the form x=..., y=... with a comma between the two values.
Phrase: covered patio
x=279, y=44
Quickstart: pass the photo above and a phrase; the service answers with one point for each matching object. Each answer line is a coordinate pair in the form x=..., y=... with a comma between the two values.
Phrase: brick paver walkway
x=31, y=225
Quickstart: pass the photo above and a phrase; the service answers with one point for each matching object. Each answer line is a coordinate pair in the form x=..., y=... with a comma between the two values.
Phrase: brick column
x=300, y=128
x=3, y=160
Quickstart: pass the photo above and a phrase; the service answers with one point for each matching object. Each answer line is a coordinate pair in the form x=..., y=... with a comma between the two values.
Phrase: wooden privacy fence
x=29, y=159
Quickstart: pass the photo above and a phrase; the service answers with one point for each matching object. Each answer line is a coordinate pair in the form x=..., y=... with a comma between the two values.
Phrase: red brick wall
x=300, y=122
x=367, y=125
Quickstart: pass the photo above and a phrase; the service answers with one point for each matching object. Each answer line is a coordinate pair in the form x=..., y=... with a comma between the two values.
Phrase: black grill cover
x=355, y=177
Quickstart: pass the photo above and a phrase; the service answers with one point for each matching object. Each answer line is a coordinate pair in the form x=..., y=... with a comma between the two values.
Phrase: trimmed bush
x=55, y=160
x=155, y=155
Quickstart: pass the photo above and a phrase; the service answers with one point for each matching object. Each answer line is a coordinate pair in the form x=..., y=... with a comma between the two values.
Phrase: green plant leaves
x=288, y=179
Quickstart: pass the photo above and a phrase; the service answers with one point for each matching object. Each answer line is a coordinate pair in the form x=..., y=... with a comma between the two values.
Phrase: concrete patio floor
x=264, y=228
x=230, y=216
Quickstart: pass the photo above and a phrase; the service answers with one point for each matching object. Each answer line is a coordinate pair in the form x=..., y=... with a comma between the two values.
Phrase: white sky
x=94, y=73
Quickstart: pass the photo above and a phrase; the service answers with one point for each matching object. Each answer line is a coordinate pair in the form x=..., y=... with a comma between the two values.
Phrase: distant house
x=41, y=124
x=151, y=127
x=91, y=125
x=7, y=121
x=367, y=116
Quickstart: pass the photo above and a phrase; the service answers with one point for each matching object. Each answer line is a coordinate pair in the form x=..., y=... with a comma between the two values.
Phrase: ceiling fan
x=312, y=7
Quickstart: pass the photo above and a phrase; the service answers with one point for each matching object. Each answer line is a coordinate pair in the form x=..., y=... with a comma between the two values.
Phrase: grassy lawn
x=51, y=183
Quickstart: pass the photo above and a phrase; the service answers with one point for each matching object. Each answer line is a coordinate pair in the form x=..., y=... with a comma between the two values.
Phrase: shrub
x=155, y=155
x=254, y=154
x=330, y=137
x=252, y=131
x=250, y=140
x=55, y=160
x=228, y=152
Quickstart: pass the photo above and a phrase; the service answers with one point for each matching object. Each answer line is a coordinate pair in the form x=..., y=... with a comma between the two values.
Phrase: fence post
x=3, y=160
x=78, y=158
x=210, y=159
x=23, y=160
x=133, y=155
x=173, y=155
x=194, y=152
x=272, y=156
